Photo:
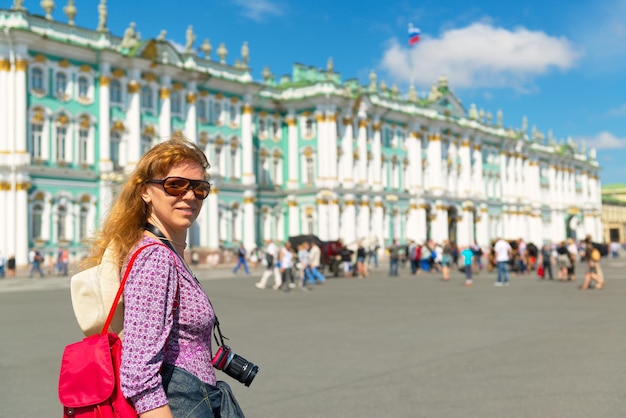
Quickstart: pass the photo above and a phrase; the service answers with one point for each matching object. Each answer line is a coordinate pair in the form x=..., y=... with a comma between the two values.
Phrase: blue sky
x=560, y=63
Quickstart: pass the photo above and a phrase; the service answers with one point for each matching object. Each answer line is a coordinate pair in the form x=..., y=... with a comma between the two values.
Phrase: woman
x=361, y=268
x=563, y=261
x=168, y=319
x=446, y=258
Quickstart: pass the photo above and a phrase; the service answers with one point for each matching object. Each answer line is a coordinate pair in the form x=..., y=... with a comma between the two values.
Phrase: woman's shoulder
x=149, y=248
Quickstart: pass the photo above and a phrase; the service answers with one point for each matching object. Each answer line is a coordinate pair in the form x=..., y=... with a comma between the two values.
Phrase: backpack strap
x=105, y=328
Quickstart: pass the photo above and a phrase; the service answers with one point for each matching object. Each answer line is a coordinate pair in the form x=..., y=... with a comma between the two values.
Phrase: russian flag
x=414, y=35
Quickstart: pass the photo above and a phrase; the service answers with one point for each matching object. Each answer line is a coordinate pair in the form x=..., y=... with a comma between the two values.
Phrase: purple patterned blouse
x=154, y=334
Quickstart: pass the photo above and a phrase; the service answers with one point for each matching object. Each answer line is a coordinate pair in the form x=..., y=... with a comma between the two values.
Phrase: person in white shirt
x=271, y=267
x=315, y=255
x=502, y=250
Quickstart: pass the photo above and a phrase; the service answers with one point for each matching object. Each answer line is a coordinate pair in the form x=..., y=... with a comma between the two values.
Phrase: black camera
x=234, y=365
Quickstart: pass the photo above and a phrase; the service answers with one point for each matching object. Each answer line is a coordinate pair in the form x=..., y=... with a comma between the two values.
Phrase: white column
x=453, y=179
x=377, y=157
x=412, y=222
x=249, y=220
x=482, y=228
x=20, y=108
x=292, y=151
x=414, y=154
x=133, y=122
x=333, y=221
x=247, y=147
x=5, y=68
x=20, y=225
x=463, y=228
x=435, y=165
x=165, y=109
x=322, y=218
x=363, y=226
x=440, y=232
x=210, y=233
x=465, y=178
x=331, y=128
x=322, y=150
x=362, y=152
x=378, y=227
x=478, y=181
x=191, y=121
x=294, y=215
x=349, y=218
x=421, y=222
x=104, y=122
x=347, y=150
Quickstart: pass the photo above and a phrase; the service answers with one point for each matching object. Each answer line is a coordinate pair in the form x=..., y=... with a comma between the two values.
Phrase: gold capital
x=165, y=93
x=105, y=80
x=247, y=109
x=291, y=121
x=191, y=97
x=133, y=87
x=5, y=65
x=21, y=65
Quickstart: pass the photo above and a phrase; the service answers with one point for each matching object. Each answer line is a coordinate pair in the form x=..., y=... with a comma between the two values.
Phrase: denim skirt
x=189, y=397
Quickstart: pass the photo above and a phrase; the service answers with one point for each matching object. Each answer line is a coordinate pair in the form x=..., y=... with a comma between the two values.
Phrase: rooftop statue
x=18, y=5
x=162, y=35
x=130, y=39
x=191, y=38
x=245, y=54
x=102, y=16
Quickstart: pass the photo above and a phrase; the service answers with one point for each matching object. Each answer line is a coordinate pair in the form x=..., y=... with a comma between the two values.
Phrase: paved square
x=379, y=347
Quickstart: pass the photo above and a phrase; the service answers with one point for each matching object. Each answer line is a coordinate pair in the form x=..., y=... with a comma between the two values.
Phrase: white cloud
x=480, y=56
x=619, y=111
x=259, y=9
x=606, y=140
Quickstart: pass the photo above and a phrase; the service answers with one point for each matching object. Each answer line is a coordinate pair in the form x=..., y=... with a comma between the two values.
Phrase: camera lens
x=241, y=369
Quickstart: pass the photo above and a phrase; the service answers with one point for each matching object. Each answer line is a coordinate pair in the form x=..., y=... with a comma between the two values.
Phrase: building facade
x=308, y=153
x=614, y=213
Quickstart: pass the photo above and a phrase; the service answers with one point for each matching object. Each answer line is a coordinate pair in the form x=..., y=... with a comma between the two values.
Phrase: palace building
x=306, y=153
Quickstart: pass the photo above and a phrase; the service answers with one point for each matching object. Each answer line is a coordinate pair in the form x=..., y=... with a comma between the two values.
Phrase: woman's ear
x=145, y=195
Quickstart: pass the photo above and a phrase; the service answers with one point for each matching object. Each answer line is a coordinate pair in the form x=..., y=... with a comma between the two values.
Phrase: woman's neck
x=177, y=241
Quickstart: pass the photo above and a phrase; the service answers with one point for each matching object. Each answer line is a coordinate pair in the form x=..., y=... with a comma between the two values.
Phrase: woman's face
x=174, y=214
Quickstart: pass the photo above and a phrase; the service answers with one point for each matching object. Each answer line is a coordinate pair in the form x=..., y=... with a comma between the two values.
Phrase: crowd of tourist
x=300, y=267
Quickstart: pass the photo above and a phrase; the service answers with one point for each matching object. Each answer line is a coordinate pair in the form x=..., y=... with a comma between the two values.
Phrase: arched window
x=37, y=79
x=262, y=127
x=175, y=101
x=36, y=134
x=201, y=109
x=83, y=87
x=83, y=223
x=217, y=112
x=83, y=145
x=276, y=129
x=308, y=127
x=36, y=221
x=310, y=224
x=310, y=170
x=146, y=143
x=147, y=98
x=61, y=140
x=60, y=83
x=233, y=114
x=61, y=219
x=116, y=139
x=115, y=92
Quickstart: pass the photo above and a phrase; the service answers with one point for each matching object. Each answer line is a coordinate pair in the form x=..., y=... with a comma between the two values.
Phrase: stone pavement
x=379, y=347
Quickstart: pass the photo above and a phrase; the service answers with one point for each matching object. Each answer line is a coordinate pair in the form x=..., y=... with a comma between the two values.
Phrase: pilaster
x=294, y=215
x=292, y=150
x=347, y=154
x=435, y=164
x=249, y=221
x=133, y=121
x=191, y=120
x=331, y=128
x=364, y=219
x=478, y=181
x=104, y=120
x=465, y=177
x=333, y=221
x=349, y=219
x=247, y=147
x=362, y=152
x=165, y=108
x=378, y=216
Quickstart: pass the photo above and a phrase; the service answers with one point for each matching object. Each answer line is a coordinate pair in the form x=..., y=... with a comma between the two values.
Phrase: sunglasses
x=178, y=186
